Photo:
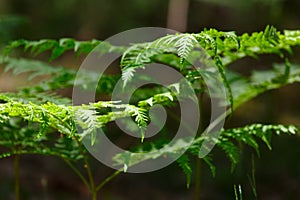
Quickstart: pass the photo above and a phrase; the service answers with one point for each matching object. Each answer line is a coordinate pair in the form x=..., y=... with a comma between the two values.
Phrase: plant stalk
x=200, y=130
x=91, y=183
x=17, y=176
x=116, y=173
x=198, y=179
x=78, y=173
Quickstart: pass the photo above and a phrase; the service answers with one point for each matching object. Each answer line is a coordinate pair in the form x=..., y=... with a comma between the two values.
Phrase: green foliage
x=228, y=142
x=184, y=163
x=57, y=48
x=37, y=120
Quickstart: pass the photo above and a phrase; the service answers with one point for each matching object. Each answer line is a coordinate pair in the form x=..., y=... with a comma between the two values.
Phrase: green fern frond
x=48, y=115
x=244, y=89
x=36, y=120
x=185, y=44
x=226, y=83
x=136, y=56
x=182, y=43
x=231, y=151
x=34, y=67
x=58, y=47
x=208, y=160
x=225, y=142
x=208, y=42
x=127, y=74
x=184, y=164
x=20, y=138
x=248, y=133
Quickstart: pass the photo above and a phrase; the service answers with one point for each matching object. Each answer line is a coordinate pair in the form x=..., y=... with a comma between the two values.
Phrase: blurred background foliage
x=277, y=171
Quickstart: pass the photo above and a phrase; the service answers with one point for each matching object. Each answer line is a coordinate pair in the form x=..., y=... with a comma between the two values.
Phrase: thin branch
x=17, y=176
x=78, y=173
x=103, y=183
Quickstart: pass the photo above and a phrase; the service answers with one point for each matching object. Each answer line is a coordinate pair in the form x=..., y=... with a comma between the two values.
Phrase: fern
x=21, y=139
x=184, y=163
x=37, y=120
x=57, y=48
x=59, y=77
x=225, y=142
x=245, y=89
x=136, y=56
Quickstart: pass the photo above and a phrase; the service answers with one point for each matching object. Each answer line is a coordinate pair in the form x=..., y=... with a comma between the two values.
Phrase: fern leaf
x=185, y=44
x=225, y=81
x=184, y=163
x=208, y=160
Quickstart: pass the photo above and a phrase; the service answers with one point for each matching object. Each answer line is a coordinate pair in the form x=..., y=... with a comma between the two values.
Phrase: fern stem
x=198, y=179
x=252, y=178
x=92, y=188
x=91, y=184
x=200, y=130
x=89, y=172
x=94, y=195
x=17, y=176
x=235, y=193
x=83, y=179
x=103, y=183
